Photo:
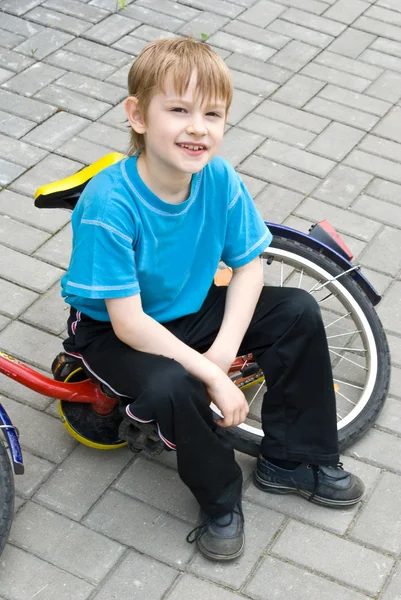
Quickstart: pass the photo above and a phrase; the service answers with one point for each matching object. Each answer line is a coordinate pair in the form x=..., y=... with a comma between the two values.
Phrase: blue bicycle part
x=11, y=435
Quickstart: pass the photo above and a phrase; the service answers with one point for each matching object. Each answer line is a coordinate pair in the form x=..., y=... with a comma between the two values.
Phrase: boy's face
x=183, y=133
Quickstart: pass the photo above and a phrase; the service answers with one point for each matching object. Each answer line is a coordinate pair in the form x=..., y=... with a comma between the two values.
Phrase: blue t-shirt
x=127, y=241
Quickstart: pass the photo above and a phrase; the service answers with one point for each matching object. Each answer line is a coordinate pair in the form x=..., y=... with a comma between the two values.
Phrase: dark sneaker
x=328, y=486
x=220, y=538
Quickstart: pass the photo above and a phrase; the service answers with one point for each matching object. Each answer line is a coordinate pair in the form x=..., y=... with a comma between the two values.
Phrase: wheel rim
x=353, y=350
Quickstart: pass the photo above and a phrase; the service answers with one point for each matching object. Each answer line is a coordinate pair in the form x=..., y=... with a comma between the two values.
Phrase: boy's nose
x=197, y=127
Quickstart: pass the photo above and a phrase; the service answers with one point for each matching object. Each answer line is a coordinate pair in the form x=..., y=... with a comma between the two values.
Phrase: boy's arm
x=242, y=296
x=136, y=329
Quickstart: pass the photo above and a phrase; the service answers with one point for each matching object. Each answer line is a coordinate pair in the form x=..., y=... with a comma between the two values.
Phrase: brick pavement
x=315, y=130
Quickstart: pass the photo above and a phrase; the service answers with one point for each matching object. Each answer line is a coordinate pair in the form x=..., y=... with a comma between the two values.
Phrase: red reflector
x=336, y=237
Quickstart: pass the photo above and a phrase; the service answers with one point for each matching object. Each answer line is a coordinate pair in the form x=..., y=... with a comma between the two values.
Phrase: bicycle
x=319, y=262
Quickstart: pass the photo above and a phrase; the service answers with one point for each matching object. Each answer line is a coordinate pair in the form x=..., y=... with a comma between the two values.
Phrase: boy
x=146, y=318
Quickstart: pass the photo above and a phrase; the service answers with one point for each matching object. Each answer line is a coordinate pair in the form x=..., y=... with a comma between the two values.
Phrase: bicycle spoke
x=359, y=387
x=300, y=279
x=345, y=398
x=336, y=320
x=282, y=274
x=330, y=337
x=254, y=397
x=326, y=298
x=348, y=349
x=348, y=360
x=331, y=279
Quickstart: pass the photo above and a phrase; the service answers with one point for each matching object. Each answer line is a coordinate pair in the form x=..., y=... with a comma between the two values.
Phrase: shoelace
x=316, y=469
x=198, y=531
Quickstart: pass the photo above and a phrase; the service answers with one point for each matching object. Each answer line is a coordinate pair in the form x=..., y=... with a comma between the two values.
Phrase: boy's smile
x=182, y=134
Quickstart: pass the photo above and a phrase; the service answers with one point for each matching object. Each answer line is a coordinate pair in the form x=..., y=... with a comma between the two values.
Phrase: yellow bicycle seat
x=66, y=192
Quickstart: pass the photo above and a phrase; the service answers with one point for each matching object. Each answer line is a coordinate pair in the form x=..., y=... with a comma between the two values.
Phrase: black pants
x=287, y=338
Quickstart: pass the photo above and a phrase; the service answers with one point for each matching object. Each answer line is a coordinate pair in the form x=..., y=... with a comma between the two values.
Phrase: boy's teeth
x=192, y=147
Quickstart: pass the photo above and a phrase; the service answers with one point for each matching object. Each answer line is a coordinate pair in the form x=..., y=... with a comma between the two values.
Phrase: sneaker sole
x=221, y=557
x=279, y=489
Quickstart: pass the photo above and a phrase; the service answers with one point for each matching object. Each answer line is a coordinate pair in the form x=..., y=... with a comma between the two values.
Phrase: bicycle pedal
x=141, y=437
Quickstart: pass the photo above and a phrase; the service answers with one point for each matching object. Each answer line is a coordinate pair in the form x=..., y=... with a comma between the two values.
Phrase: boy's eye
x=178, y=109
x=213, y=114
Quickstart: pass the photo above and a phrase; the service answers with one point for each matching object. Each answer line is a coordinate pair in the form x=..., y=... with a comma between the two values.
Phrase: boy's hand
x=230, y=400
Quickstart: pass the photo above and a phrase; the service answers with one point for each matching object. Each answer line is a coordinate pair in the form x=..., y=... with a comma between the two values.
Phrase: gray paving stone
x=109, y=5
x=346, y=221
x=298, y=90
x=381, y=60
x=294, y=55
x=395, y=349
x=227, y=9
x=336, y=141
x=160, y=487
x=36, y=471
x=5, y=75
x=333, y=557
x=390, y=126
x=41, y=434
x=238, y=144
x=4, y=321
x=392, y=4
x=44, y=43
x=73, y=101
x=300, y=17
x=14, y=126
x=357, y=101
x=379, y=524
x=56, y=130
x=252, y=84
x=386, y=46
x=241, y=46
x=262, y=13
x=33, y=79
x=57, y=250
x=27, y=271
x=64, y=544
x=343, y=114
x=19, y=9
x=351, y=43
x=98, y=132
x=261, y=526
x=379, y=188
x=83, y=150
x=390, y=416
x=346, y=12
x=313, y=6
x=77, y=9
x=51, y=18
x=336, y=521
x=14, y=298
x=19, y=236
x=343, y=63
x=9, y=171
x=19, y=26
x=81, y=479
x=380, y=282
x=25, y=107
x=51, y=168
x=116, y=117
x=73, y=62
x=94, y=88
x=258, y=68
x=295, y=158
x=9, y=40
x=35, y=576
x=198, y=589
x=392, y=590
x=137, y=577
x=14, y=61
x=375, y=165
x=130, y=44
x=111, y=29
x=383, y=14
x=300, y=33
x=49, y=312
x=283, y=580
x=382, y=254
x=206, y=22
x=151, y=17
x=277, y=130
x=253, y=185
x=19, y=152
x=292, y=116
x=390, y=308
x=97, y=52
x=387, y=30
x=276, y=203
x=22, y=209
x=378, y=448
x=120, y=77
x=241, y=104
x=12, y=389
x=142, y=528
x=272, y=172
x=383, y=212
x=170, y=8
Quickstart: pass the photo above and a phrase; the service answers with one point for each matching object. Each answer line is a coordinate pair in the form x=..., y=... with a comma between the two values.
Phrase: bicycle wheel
x=358, y=347
x=6, y=495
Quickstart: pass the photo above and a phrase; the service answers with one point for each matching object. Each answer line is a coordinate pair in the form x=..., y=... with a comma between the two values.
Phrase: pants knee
x=175, y=383
x=305, y=309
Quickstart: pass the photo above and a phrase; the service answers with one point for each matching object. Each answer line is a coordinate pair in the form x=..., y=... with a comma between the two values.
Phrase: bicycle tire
x=6, y=496
x=246, y=440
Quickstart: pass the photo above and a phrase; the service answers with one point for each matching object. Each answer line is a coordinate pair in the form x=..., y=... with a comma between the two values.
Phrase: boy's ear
x=134, y=114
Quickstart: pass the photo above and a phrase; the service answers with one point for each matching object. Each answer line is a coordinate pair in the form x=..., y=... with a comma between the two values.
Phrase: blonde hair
x=177, y=57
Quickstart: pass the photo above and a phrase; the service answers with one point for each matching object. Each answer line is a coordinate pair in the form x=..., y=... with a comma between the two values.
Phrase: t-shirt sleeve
x=247, y=235
x=103, y=257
